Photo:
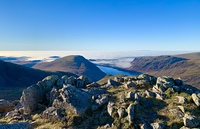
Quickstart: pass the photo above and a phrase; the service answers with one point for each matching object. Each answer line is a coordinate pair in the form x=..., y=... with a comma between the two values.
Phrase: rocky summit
x=114, y=102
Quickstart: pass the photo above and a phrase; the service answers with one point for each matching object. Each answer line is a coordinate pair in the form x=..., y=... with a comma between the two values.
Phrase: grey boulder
x=53, y=114
x=196, y=98
x=100, y=101
x=130, y=111
x=75, y=100
x=30, y=98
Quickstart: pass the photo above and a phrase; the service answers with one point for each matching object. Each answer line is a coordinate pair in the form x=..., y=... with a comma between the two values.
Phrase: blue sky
x=100, y=25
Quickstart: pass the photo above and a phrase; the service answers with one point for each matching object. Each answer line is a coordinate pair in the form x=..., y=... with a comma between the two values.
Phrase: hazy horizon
x=46, y=55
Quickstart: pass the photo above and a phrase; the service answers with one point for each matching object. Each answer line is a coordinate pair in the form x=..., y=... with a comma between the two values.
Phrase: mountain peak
x=76, y=64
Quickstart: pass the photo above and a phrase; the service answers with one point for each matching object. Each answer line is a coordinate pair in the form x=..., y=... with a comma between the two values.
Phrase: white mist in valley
x=121, y=58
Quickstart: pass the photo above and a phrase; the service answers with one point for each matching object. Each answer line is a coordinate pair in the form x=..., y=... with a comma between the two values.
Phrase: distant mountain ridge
x=75, y=64
x=185, y=66
x=19, y=76
x=154, y=63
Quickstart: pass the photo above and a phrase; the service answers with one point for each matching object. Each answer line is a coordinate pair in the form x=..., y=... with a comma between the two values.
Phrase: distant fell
x=185, y=66
x=153, y=63
x=75, y=64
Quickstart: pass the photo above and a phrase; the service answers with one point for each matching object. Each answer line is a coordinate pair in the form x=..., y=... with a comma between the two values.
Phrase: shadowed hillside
x=14, y=78
x=185, y=66
x=17, y=75
x=74, y=64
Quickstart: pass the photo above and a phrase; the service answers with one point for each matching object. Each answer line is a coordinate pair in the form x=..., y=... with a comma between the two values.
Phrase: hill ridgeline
x=74, y=64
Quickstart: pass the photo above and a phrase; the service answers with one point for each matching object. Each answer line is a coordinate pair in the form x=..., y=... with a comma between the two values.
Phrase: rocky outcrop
x=131, y=113
x=77, y=103
x=75, y=100
x=146, y=80
x=130, y=84
x=181, y=100
x=14, y=115
x=37, y=93
x=112, y=83
x=163, y=83
x=150, y=94
x=5, y=106
x=110, y=108
x=100, y=100
x=31, y=97
x=130, y=95
x=157, y=126
x=46, y=91
x=196, y=98
x=53, y=114
x=121, y=112
x=93, y=85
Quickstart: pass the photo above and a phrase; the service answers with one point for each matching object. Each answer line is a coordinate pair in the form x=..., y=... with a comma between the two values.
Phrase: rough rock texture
x=82, y=81
x=47, y=90
x=60, y=83
x=100, y=101
x=93, y=84
x=30, y=98
x=71, y=80
x=177, y=89
x=190, y=121
x=130, y=95
x=5, y=106
x=53, y=114
x=84, y=105
x=53, y=95
x=196, y=99
x=122, y=97
x=119, y=79
x=110, y=108
x=22, y=125
x=112, y=83
x=160, y=96
x=65, y=79
x=178, y=82
x=165, y=82
x=157, y=126
x=146, y=80
x=76, y=100
x=150, y=94
x=52, y=78
x=181, y=100
x=14, y=115
x=131, y=113
x=158, y=89
x=137, y=98
x=130, y=84
x=181, y=108
x=121, y=112
x=176, y=112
